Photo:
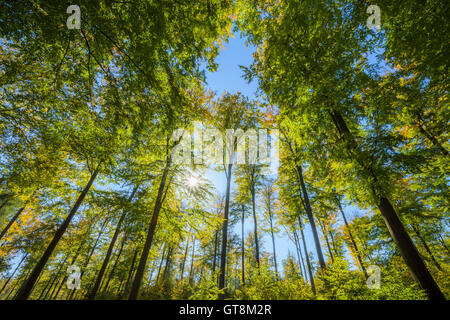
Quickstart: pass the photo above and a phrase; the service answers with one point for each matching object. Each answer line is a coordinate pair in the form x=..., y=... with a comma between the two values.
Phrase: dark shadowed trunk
x=26, y=288
x=255, y=224
x=13, y=219
x=223, y=251
x=308, y=209
x=243, y=247
x=308, y=263
x=401, y=238
x=150, y=233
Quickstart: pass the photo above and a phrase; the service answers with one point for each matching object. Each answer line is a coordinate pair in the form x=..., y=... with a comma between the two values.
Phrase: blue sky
x=229, y=77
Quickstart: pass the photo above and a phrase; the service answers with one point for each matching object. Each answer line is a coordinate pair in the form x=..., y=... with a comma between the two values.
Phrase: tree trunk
x=130, y=272
x=13, y=219
x=243, y=247
x=111, y=273
x=308, y=210
x=308, y=263
x=184, y=258
x=27, y=286
x=396, y=229
x=223, y=252
x=161, y=263
x=192, y=260
x=99, y=278
x=90, y=253
x=14, y=272
x=53, y=279
x=255, y=223
x=300, y=263
x=215, y=250
x=358, y=256
x=273, y=244
x=427, y=248
x=151, y=231
x=326, y=240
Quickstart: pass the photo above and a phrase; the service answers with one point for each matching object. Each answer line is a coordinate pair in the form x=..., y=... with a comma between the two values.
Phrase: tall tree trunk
x=13, y=219
x=443, y=244
x=333, y=243
x=358, y=256
x=27, y=286
x=14, y=272
x=16, y=283
x=54, y=278
x=427, y=248
x=308, y=209
x=99, y=278
x=326, y=240
x=303, y=276
x=308, y=263
x=151, y=231
x=192, y=260
x=184, y=258
x=223, y=251
x=130, y=273
x=215, y=249
x=90, y=253
x=255, y=223
x=161, y=262
x=111, y=273
x=168, y=264
x=273, y=244
x=403, y=241
x=243, y=247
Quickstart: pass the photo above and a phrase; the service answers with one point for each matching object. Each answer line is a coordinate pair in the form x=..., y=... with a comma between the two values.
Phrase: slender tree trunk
x=273, y=244
x=14, y=272
x=161, y=263
x=307, y=205
x=313, y=287
x=184, y=258
x=303, y=275
x=13, y=219
x=90, y=253
x=223, y=252
x=130, y=272
x=54, y=278
x=111, y=273
x=243, y=247
x=427, y=248
x=215, y=250
x=27, y=286
x=358, y=256
x=333, y=243
x=433, y=139
x=396, y=229
x=101, y=273
x=151, y=231
x=16, y=283
x=326, y=240
x=443, y=244
x=168, y=264
x=192, y=260
x=255, y=223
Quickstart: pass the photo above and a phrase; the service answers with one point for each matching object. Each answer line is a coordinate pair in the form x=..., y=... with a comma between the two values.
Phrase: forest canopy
x=123, y=175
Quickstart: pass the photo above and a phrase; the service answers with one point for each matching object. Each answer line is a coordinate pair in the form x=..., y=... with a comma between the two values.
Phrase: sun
x=193, y=182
